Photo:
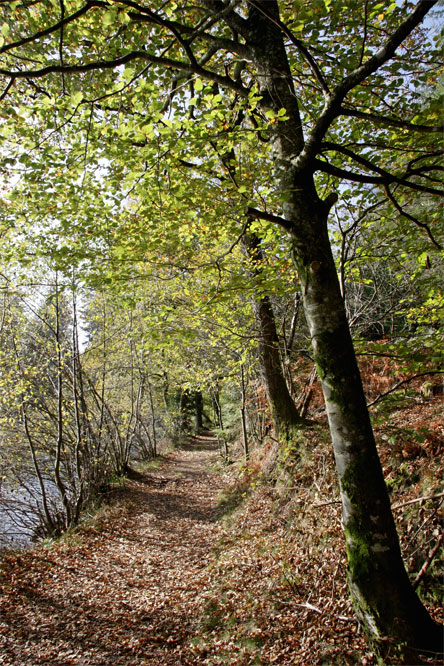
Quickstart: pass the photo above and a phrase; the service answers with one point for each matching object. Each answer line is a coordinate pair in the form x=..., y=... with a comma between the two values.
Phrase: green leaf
x=108, y=17
x=76, y=98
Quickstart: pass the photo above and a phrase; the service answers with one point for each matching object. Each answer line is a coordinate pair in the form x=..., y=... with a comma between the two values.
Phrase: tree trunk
x=283, y=409
x=380, y=589
x=198, y=403
x=243, y=413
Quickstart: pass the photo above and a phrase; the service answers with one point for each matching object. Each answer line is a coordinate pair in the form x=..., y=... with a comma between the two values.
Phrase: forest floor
x=179, y=570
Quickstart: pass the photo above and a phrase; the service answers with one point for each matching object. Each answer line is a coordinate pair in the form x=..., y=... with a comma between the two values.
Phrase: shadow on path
x=123, y=592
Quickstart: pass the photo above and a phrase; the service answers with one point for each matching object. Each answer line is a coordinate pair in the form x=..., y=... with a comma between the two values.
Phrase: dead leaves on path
x=158, y=581
x=113, y=594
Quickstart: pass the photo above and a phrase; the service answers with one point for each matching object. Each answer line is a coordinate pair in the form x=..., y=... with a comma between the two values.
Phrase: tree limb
x=391, y=122
x=269, y=217
x=54, y=28
x=401, y=383
x=413, y=219
x=388, y=177
x=333, y=104
x=401, y=505
x=326, y=167
x=224, y=81
x=428, y=562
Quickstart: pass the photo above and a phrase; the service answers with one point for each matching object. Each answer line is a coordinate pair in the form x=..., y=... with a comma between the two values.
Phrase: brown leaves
x=157, y=581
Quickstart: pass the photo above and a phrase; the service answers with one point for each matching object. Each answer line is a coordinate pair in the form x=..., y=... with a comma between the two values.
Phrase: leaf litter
x=166, y=575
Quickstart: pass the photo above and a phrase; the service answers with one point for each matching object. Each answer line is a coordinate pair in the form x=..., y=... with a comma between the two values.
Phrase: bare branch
x=428, y=562
x=410, y=217
x=401, y=505
x=401, y=383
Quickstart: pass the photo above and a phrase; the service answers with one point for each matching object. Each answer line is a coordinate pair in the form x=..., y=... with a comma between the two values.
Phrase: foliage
x=243, y=588
x=140, y=144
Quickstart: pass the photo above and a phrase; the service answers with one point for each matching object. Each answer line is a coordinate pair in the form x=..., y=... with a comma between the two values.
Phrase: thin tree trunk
x=79, y=482
x=60, y=415
x=153, y=419
x=198, y=406
x=283, y=409
x=243, y=415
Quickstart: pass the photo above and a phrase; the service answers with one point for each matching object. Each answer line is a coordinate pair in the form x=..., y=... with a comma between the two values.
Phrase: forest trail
x=123, y=591
x=157, y=579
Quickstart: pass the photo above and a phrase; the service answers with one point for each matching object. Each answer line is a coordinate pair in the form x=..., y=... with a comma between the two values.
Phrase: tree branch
x=263, y=215
x=333, y=104
x=54, y=28
x=224, y=81
x=401, y=383
x=413, y=219
x=416, y=500
x=385, y=176
x=7, y=89
x=428, y=562
x=391, y=122
x=226, y=11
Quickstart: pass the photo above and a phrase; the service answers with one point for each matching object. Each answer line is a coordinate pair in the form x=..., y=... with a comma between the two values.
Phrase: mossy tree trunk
x=382, y=595
x=380, y=589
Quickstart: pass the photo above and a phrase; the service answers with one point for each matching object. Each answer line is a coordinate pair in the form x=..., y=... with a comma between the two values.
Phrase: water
x=19, y=512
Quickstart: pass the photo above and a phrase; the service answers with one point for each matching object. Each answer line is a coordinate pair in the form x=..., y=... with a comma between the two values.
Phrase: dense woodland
x=225, y=216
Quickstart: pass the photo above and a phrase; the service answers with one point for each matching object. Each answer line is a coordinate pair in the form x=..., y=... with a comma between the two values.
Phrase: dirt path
x=123, y=592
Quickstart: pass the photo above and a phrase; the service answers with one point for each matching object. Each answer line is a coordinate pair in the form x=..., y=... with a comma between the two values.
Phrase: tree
x=321, y=92
x=283, y=409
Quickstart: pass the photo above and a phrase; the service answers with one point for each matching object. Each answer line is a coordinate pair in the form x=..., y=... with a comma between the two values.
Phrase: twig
x=401, y=383
x=428, y=562
x=316, y=506
x=417, y=499
x=344, y=618
x=310, y=607
x=404, y=213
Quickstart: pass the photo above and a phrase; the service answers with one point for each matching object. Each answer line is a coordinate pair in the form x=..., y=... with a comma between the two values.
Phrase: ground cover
x=195, y=562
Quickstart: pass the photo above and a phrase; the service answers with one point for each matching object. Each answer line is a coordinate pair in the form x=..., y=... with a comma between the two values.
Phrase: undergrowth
x=278, y=579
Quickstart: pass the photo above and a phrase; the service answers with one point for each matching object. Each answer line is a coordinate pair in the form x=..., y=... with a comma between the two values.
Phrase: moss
x=212, y=616
x=358, y=538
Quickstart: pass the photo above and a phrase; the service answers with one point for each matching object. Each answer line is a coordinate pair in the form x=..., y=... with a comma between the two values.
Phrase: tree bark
x=198, y=404
x=282, y=407
x=382, y=595
x=243, y=414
